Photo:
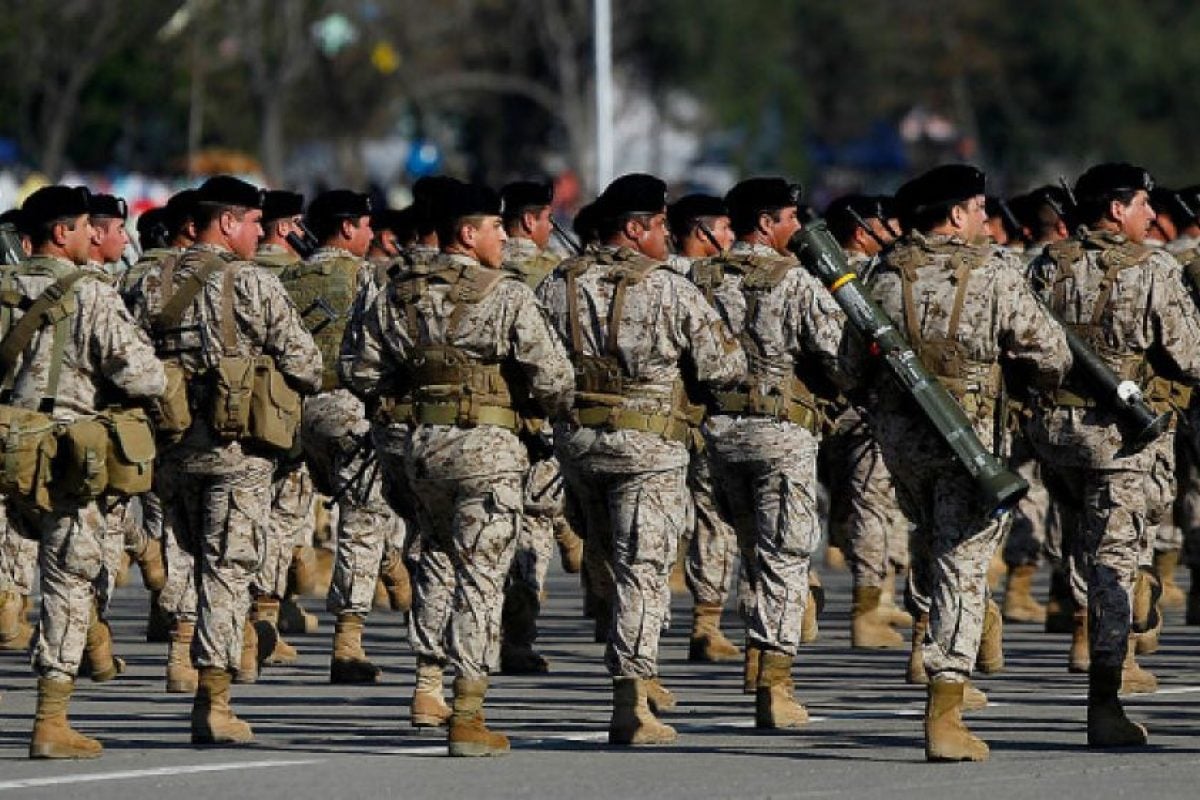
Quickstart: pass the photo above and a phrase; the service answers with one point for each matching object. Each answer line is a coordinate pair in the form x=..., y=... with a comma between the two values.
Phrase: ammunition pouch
x=601, y=395
x=83, y=459
x=252, y=402
x=453, y=388
x=28, y=446
x=232, y=387
x=172, y=412
x=792, y=403
x=131, y=451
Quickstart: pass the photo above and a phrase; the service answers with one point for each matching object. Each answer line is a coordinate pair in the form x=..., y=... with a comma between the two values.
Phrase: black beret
x=753, y=196
x=338, y=204
x=427, y=194
x=1104, y=180
x=227, y=190
x=867, y=206
x=278, y=204
x=179, y=208
x=587, y=222
x=106, y=205
x=688, y=208
x=517, y=197
x=941, y=186
x=55, y=202
x=400, y=221
x=151, y=219
x=15, y=218
x=467, y=200
x=636, y=193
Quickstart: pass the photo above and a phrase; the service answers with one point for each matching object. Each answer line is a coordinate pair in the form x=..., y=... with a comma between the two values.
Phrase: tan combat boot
x=1080, y=658
x=775, y=705
x=869, y=627
x=182, y=677
x=1107, y=725
x=835, y=558
x=294, y=619
x=946, y=737
x=570, y=546
x=1019, y=603
x=350, y=664
x=990, y=659
x=658, y=696
x=1135, y=679
x=633, y=722
x=393, y=574
x=996, y=571
x=916, y=674
x=213, y=721
x=708, y=643
x=468, y=735
x=518, y=632
x=896, y=615
x=53, y=736
x=257, y=644
x=1165, y=563
x=974, y=698
x=99, y=662
x=15, y=630
x=149, y=558
x=750, y=669
x=302, y=570
x=265, y=616
x=428, y=709
x=810, y=630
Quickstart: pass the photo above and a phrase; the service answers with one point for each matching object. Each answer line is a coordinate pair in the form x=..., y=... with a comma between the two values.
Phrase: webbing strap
x=175, y=303
x=228, y=326
x=1106, y=289
x=48, y=309
x=573, y=312
x=960, y=295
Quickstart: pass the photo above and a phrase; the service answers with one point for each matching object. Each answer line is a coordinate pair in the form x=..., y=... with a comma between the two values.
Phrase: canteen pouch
x=83, y=459
x=172, y=413
x=274, y=407
x=232, y=397
x=27, y=450
x=130, y=453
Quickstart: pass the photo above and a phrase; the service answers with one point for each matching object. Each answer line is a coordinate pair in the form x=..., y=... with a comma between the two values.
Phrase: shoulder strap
x=1114, y=260
x=962, y=274
x=50, y=308
x=909, y=305
x=176, y=303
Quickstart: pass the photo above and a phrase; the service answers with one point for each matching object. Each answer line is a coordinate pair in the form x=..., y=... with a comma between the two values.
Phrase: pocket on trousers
x=83, y=552
x=244, y=539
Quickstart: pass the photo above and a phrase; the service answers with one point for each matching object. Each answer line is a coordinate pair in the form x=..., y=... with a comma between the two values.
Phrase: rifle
x=10, y=244
x=304, y=243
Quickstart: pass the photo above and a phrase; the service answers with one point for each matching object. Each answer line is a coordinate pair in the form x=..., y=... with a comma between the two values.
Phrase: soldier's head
x=427, y=193
x=525, y=207
x=228, y=214
x=1116, y=197
x=1170, y=214
x=1190, y=197
x=470, y=224
x=700, y=225
x=765, y=211
x=859, y=222
x=180, y=218
x=1042, y=214
x=14, y=218
x=587, y=224
x=58, y=224
x=998, y=228
x=947, y=200
x=341, y=218
x=283, y=213
x=110, y=237
x=152, y=228
x=394, y=230
x=632, y=212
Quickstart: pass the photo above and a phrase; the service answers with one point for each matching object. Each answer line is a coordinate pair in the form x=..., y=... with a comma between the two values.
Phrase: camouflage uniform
x=102, y=341
x=630, y=482
x=996, y=313
x=763, y=441
x=1117, y=497
x=465, y=479
x=18, y=558
x=217, y=493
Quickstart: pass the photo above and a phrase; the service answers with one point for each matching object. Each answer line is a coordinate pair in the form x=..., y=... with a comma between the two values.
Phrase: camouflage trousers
x=637, y=517
x=178, y=596
x=542, y=499
x=74, y=576
x=1032, y=528
x=293, y=502
x=864, y=512
x=772, y=503
x=1185, y=518
x=710, y=543
x=218, y=504
x=469, y=534
x=18, y=558
x=338, y=447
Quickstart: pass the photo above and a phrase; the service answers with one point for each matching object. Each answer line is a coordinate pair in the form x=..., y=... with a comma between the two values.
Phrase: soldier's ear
x=766, y=222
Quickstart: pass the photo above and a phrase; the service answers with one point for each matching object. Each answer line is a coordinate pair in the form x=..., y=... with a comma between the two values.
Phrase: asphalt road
x=864, y=741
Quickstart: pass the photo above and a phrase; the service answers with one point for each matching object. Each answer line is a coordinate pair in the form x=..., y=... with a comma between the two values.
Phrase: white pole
x=604, y=94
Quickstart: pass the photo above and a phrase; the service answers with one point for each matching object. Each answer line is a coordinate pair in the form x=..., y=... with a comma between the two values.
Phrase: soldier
x=455, y=350
x=863, y=497
x=217, y=318
x=1129, y=303
x=167, y=231
x=631, y=325
x=283, y=216
x=94, y=349
x=762, y=435
x=393, y=232
x=961, y=306
x=700, y=228
x=336, y=432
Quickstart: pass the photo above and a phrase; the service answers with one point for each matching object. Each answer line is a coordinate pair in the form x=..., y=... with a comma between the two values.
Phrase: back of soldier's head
x=925, y=202
x=1105, y=184
x=220, y=194
x=751, y=198
x=522, y=197
x=846, y=214
x=329, y=209
x=636, y=195
x=427, y=193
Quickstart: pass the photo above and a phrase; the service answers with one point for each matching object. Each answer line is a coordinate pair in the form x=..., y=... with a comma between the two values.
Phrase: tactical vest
x=449, y=385
x=324, y=290
x=1161, y=394
x=276, y=262
x=789, y=400
x=602, y=382
x=533, y=269
x=975, y=385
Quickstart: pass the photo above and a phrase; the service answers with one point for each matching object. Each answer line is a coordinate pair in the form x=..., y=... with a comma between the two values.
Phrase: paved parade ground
x=864, y=741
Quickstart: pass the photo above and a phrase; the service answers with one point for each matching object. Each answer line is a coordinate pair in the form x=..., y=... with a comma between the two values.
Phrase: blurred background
x=142, y=97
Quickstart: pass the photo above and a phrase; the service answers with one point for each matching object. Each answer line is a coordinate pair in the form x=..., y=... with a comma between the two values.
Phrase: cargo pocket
x=245, y=530
x=83, y=553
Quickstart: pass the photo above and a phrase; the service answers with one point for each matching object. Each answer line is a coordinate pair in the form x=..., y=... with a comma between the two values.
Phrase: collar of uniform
x=937, y=239
x=520, y=247
x=46, y=261
x=679, y=264
x=327, y=252
x=421, y=251
x=207, y=247
x=1103, y=237
x=270, y=249
x=459, y=258
x=755, y=249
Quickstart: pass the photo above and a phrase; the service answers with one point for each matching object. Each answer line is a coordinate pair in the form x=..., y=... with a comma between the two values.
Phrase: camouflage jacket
x=527, y=261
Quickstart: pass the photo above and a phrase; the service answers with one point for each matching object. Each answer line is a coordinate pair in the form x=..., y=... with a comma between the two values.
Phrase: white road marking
x=92, y=777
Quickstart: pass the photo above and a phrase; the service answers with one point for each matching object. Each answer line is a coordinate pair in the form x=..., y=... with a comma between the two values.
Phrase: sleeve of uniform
x=287, y=340
x=367, y=289
x=539, y=351
x=1028, y=334
x=715, y=352
x=121, y=350
x=1174, y=316
x=815, y=325
x=368, y=366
